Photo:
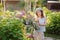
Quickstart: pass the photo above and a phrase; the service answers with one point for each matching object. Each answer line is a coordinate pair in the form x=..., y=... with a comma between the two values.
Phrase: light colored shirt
x=42, y=28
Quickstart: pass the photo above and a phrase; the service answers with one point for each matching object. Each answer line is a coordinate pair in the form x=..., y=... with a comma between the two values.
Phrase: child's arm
x=44, y=24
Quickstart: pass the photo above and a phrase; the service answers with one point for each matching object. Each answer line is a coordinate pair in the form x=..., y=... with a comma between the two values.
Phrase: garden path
x=49, y=38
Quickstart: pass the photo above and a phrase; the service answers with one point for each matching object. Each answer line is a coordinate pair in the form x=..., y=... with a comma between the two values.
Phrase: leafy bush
x=53, y=23
x=12, y=29
x=41, y=2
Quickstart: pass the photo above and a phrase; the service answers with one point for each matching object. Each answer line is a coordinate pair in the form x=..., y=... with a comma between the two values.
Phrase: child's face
x=38, y=13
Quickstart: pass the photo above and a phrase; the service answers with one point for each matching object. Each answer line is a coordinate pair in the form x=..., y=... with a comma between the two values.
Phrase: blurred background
x=15, y=13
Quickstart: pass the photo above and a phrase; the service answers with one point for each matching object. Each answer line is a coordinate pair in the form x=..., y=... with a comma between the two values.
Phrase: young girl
x=41, y=20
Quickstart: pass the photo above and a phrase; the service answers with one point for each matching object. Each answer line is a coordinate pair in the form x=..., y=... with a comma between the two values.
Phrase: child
x=41, y=20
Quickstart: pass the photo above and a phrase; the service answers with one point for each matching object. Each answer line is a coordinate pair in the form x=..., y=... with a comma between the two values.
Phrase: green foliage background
x=12, y=29
x=53, y=21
